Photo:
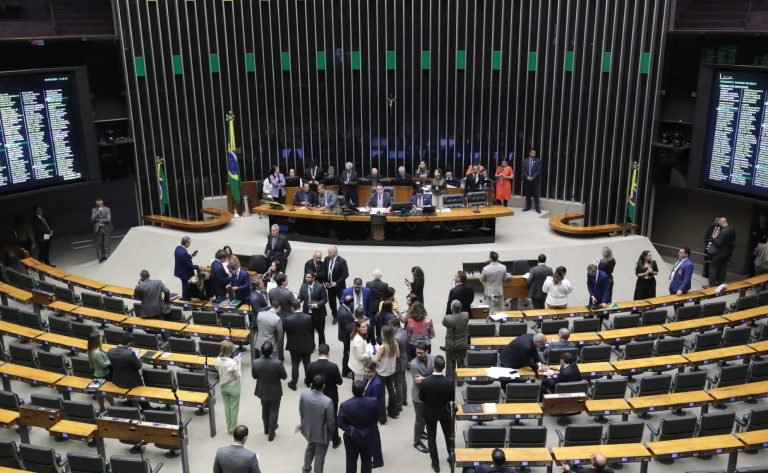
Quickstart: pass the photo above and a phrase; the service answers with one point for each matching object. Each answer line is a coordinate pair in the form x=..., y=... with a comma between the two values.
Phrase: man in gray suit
x=380, y=198
x=421, y=367
x=282, y=295
x=536, y=277
x=562, y=342
x=153, y=295
x=101, y=216
x=318, y=421
x=492, y=277
x=269, y=328
x=327, y=201
x=268, y=373
x=235, y=458
x=455, y=337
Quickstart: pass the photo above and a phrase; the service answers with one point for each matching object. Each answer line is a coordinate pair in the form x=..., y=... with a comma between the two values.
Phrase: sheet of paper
x=498, y=317
x=526, y=276
x=489, y=408
x=497, y=372
x=47, y=236
x=446, y=210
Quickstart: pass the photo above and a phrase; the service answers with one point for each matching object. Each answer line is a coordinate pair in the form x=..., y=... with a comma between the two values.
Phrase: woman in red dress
x=504, y=176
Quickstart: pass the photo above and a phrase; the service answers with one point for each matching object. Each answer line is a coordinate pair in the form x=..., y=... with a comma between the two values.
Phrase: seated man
x=562, y=342
x=402, y=175
x=380, y=199
x=305, y=197
x=327, y=200
x=451, y=180
x=374, y=177
x=499, y=459
x=420, y=200
x=569, y=372
x=599, y=463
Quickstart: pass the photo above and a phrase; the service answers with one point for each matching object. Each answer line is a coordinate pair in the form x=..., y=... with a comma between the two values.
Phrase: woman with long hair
x=231, y=258
x=438, y=188
x=419, y=328
x=504, y=176
x=389, y=295
x=386, y=358
x=557, y=288
x=358, y=350
x=102, y=367
x=607, y=263
x=383, y=317
x=646, y=271
x=422, y=172
x=417, y=285
x=228, y=367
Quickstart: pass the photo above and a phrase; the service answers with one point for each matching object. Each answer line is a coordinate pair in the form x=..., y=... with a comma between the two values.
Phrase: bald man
x=315, y=265
x=599, y=463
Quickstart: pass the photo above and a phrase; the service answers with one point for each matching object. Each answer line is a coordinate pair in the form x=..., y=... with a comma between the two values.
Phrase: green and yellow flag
x=162, y=186
x=233, y=170
x=632, y=197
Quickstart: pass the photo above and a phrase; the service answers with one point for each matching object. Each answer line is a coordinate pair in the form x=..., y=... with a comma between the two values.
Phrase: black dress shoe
x=442, y=348
x=292, y=386
x=336, y=443
x=538, y=211
x=526, y=209
x=271, y=437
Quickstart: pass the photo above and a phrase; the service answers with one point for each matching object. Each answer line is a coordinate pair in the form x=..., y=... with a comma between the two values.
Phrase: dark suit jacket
x=404, y=177
x=722, y=246
x=531, y=169
x=346, y=321
x=494, y=469
x=462, y=293
x=471, y=184
x=318, y=174
x=284, y=296
x=126, y=367
x=377, y=289
x=600, y=287
x=300, y=333
x=340, y=272
x=243, y=284
x=375, y=388
x=332, y=375
x=385, y=198
x=537, y=275
x=268, y=373
x=235, y=459
x=282, y=248
x=358, y=418
x=258, y=302
x=365, y=293
x=184, y=268
x=568, y=374
x=40, y=227
x=318, y=296
x=319, y=270
x=219, y=278
x=309, y=197
x=436, y=392
x=520, y=352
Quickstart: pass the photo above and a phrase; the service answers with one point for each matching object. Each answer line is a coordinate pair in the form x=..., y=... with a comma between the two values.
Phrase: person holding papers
x=380, y=199
x=420, y=200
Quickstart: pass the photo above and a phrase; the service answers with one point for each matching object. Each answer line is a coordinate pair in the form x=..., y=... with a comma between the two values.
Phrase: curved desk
x=561, y=224
x=222, y=218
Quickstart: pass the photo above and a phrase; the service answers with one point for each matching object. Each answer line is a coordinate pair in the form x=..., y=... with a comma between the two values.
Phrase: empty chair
x=577, y=435
x=756, y=419
x=24, y=281
x=654, y=317
x=233, y=320
x=624, y=432
x=717, y=423
x=706, y=341
x=572, y=387
x=485, y=436
x=92, y=300
x=674, y=428
x=150, y=341
x=586, y=325
x=553, y=355
x=761, y=332
x=730, y=375
x=45, y=286
x=81, y=367
x=44, y=400
x=113, y=336
x=176, y=315
x=481, y=329
x=126, y=464
x=512, y=329
x=23, y=355
x=744, y=303
x=53, y=362
x=551, y=327
x=59, y=325
x=527, y=436
x=483, y=358
x=83, y=329
x=9, y=454
x=652, y=385
x=669, y=346
x=522, y=392
x=157, y=378
x=209, y=348
x=41, y=459
x=609, y=388
x=733, y=336
x=642, y=349
x=691, y=381
x=204, y=317
x=164, y=417
x=31, y=319
x=9, y=314
x=80, y=412
x=182, y=345
x=595, y=353
x=452, y=201
x=762, y=298
x=113, y=304
x=687, y=312
x=625, y=321
x=710, y=309
x=10, y=401
x=86, y=463
x=482, y=393
x=65, y=294
x=197, y=382
x=758, y=371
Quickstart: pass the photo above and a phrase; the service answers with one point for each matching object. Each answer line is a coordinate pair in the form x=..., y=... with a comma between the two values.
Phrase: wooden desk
x=760, y=348
x=137, y=431
x=473, y=374
x=222, y=218
x=6, y=469
x=673, y=299
x=523, y=410
x=740, y=392
x=46, y=270
x=656, y=363
x=35, y=416
x=165, y=396
x=62, y=341
x=98, y=315
x=19, y=332
x=11, y=292
x=513, y=315
x=541, y=314
x=110, y=389
x=760, y=280
x=238, y=334
x=515, y=456
x=597, y=369
x=74, y=430
x=737, y=286
x=561, y=224
x=618, y=453
x=456, y=214
x=756, y=438
x=69, y=384
x=714, y=444
x=179, y=359
x=8, y=418
x=710, y=356
x=663, y=402
x=118, y=291
x=585, y=338
x=27, y=375
x=688, y=326
x=608, y=407
x=489, y=343
x=625, y=335
x=62, y=306
x=85, y=283
x=751, y=315
x=156, y=325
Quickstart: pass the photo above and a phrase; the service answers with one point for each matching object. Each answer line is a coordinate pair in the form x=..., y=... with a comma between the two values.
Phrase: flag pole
x=230, y=118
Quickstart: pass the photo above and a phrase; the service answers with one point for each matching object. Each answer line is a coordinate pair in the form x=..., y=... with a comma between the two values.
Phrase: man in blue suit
x=357, y=418
x=239, y=283
x=184, y=268
x=305, y=196
x=682, y=272
x=379, y=199
x=600, y=286
x=219, y=274
x=532, y=180
x=374, y=387
x=359, y=295
x=420, y=200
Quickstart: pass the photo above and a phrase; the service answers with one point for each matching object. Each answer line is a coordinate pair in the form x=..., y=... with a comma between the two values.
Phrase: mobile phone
x=194, y=253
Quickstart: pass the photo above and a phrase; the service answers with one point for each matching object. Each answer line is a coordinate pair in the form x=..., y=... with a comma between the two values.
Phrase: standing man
x=101, y=217
x=282, y=294
x=523, y=351
x=421, y=367
x=314, y=297
x=268, y=373
x=235, y=458
x=376, y=290
x=300, y=341
x=492, y=277
x=278, y=248
x=759, y=235
x=532, y=180
x=43, y=235
x=219, y=274
x=437, y=394
x=721, y=251
x=599, y=286
x=536, y=277
x=460, y=292
x=474, y=181
x=239, y=282
x=374, y=387
x=269, y=328
x=317, y=423
x=711, y=234
x=346, y=322
x=349, y=183
x=183, y=267
x=330, y=371
x=153, y=296
x=337, y=272
x=358, y=419
x=126, y=367
x=456, y=334
x=359, y=295
x=682, y=272
x=313, y=174
x=315, y=265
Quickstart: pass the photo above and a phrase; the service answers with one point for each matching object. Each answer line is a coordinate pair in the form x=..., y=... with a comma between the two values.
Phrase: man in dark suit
x=326, y=200
x=346, y=322
x=268, y=373
x=305, y=197
x=282, y=295
x=460, y=292
x=333, y=380
x=377, y=288
x=101, y=217
x=183, y=267
x=336, y=273
x=682, y=272
x=235, y=458
x=536, y=277
x=374, y=387
x=450, y=179
x=349, y=182
x=721, y=251
x=359, y=295
x=437, y=394
x=532, y=180
x=300, y=341
x=219, y=274
x=258, y=301
x=380, y=198
x=357, y=418
x=599, y=463
x=153, y=296
x=474, y=182
x=712, y=232
x=420, y=200
x=561, y=342
x=600, y=287
x=126, y=367
x=523, y=351
x=43, y=235
x=569, y=372
x=316, y=265
x=313, y=174
x=402, y=175
x=374, y=177
x=239, y=282
x=314, y=297
x=499, y=463
x=278, y=248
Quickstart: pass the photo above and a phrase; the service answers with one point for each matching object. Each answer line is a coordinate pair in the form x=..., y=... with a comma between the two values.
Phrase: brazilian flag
x=632, y=197
x=162, y=186
x=233, y=170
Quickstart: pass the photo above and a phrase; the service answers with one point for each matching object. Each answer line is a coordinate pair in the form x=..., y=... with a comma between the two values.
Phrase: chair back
x=527, y=436
x=40, y=459
x=53, y=362
x=626, y=321
x=709, y=309
x=209, y=348
x=24, y=355
x=31, y=319
x=758, y=371
x=707, y=340
x=150, y=341
x=197, y=382
x=79, y=412
x=669, y=346
x=94, y=301
x=595, y=353
x=113, y=336
x=572, y=387
x=655, y=384
x=642, y=349
x=746, y=302
x=672, y=428
x=205, y=317
x=83, y=330
x=483, y=358
x=576, y=435
x=512, y=329
x=624, y=432
x=477, y=199
x=9, y=314
x=485, y=436
x=716, y=423
x=59, y=325
x=586, y=325
x=732, y=375
x=176, y=315
x=9, y=401
x=47, y=401
x=481, y=328
x=9, y=455
x=756, y=419
x=81, y=367
x=65, y=294
x=609, y=388
x=522, y=392
x=233, y=320
x=654, y=317
x=690, y=381
x=452, y=201
x=553, y=355
x=687, y=312
x=126, y=464
x=157, y=378
x=182, y=345
x=86, y=463
x=552, y=327
x=733, y=336
x=113, y=304
x=483, y=393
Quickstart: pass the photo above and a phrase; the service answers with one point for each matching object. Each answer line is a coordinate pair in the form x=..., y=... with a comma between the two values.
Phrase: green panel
x=607, y=61
x=461, y=59
x=214, y=59
x=533, y=58
x=496, y=60
x=178, y=65
x=320, y=60
x=569, y=61
x=285, y=61
x=250, y=62
x=141, y=68
x=426, y=60
x=391, y=60
x=355, y=57
x=645, y=63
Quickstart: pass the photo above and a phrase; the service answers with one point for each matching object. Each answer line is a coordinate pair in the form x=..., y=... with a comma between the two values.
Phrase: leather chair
x=86, y=463
x=42, y=459
x=9, y=455
x=485, y=436
x=595, y=353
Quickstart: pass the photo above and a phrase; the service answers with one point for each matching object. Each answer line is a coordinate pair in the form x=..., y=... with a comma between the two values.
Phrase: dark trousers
x=401, y=386
x=717, y=269
x=393, y=400
x=707, y=261
x=345, y=357
x=549, y=385
x=354, y=450
x=454, y=359
x=333, y=299
x=269, y=413
x=297, y=358
x=531, y=190
x=185, y=295
x=445, y=425
x=418, y=420
x=318, y=321
x=44, y=251
x=335, y=399
x=538, y=302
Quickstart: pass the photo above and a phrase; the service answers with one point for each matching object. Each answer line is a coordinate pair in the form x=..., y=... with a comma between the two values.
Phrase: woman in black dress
x=417, y=286
x=646, y=270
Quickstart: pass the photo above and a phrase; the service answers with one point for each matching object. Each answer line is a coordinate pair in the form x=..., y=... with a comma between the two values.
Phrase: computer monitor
x=292, y=181
x=402, y=208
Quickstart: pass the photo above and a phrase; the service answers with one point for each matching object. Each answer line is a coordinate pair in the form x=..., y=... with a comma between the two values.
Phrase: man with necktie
x=101, y=216
x=682, y=271
x=474, y=181
x=315, y=265
x=380, y=199
x=43, y=235
x=359, y=295
x=278, y=248
x=532, y=180
x=336, y=276
x=420, y=200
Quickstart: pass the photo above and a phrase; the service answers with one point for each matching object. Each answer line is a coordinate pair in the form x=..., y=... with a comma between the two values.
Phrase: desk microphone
x=229, y=328
x=293, y=204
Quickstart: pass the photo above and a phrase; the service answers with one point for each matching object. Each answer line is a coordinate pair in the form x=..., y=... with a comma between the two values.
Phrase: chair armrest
x=157, y=467
x=187, y=318
x=713, y=381
x=740, y=424
x=560, y=436
x=606, y=325
x=634, y=387
x=653, y=430
x=213, y=384
x=688, y=348
x=672, y=318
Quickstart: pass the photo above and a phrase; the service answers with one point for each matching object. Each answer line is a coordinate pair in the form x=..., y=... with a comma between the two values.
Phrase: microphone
x=229, y=328
x=293, y=203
